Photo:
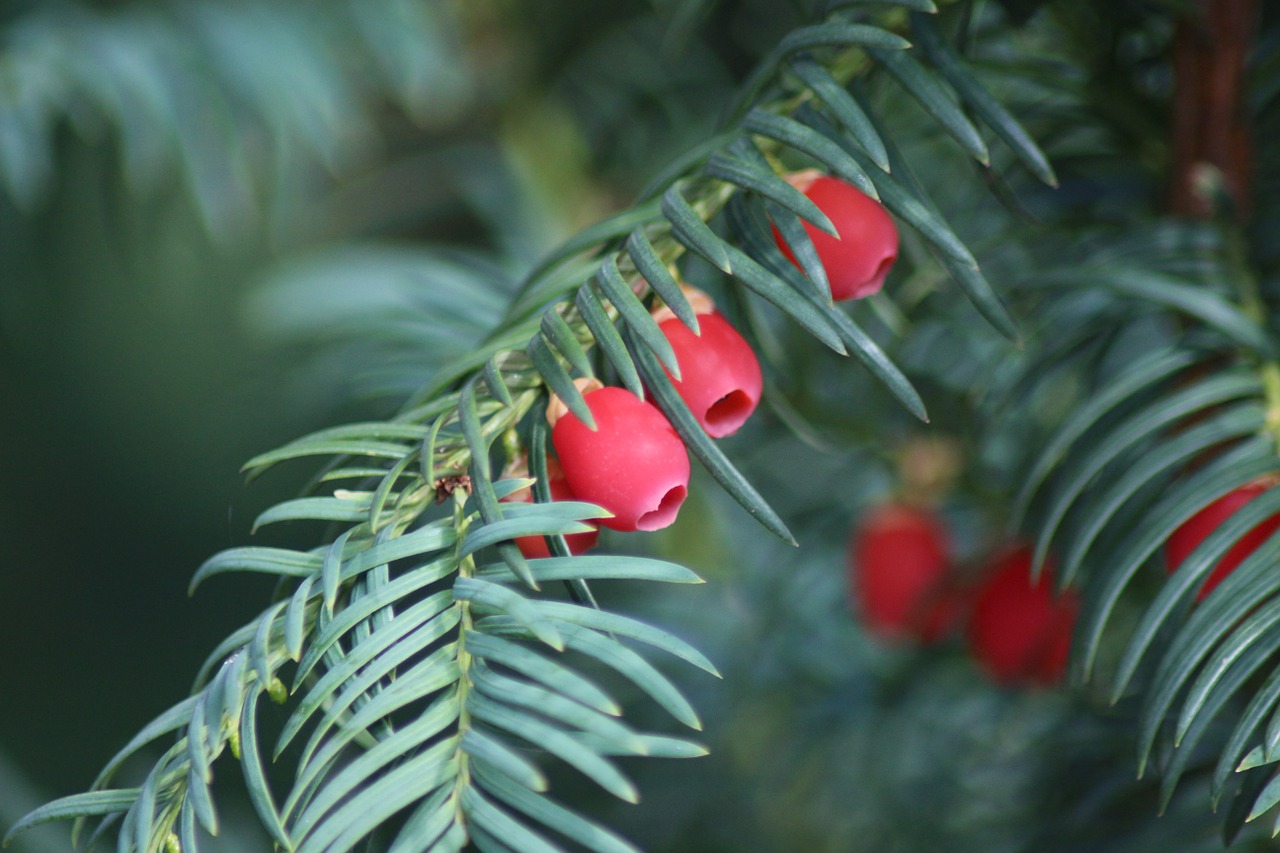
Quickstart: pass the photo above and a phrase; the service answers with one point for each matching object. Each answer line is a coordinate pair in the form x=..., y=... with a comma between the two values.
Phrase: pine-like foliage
x=431, y=675
x=230, y=98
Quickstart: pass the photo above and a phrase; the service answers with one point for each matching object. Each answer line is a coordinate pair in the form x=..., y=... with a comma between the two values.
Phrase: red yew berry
x=534, y=547
x=720, y=379
x=1195, y=529
x=633, y=464
x=1020, y=632
x=901, y=559
x=857, y=262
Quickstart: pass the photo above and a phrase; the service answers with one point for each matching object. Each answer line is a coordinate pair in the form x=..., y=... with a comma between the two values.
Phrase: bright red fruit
x=1196, y=528
x=901, y=559
x=536, y=546
x=1019, y=632
x=633, y=464
x=720, y=379
x=857, y=263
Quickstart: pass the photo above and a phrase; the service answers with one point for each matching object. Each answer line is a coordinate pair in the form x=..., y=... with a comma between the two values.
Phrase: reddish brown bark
x=1210, y=127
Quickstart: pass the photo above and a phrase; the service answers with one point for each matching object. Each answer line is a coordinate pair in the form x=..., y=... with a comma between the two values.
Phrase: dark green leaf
x=434, y=673
x=556, y=708
x=1250, y=786
x=687, y=227
x=200, y=797
x=615, y=227
x=496, y=598
x=1157, y=288
x=602, y=328
x=1145, y=423
x=838, y=34
x=1255, y=636
x=636, y=317
x=598, y=567
x=558, y=333
x=1246, y=728
x=502, y=761
x=481, y=479
x=802, y=249
x=770, y=186
x=295, y=619
x=1143, y=373
x=551, y=814
x=361, y=609
x=983, y=296
x=978, y=99
x=1187, y=741
x=558, y=380
x=317, y=509
x=614, y=623
x=493, y=381
x=633, y=667
x=1216, y=478
x=375, y=803
x=810, y=141
x=538, y=430
x=254, y=776
x=487, y=817
x=926, y=89
x=170, y=721
x=660, y=279
x=331, y=569
x=272, y=561
x=844, y=107
x=535, y=666
x=555, y=741
x=333, y=447
x=562, y=517
x=428, y=538
x=77, y=805
x=1232, y=423
x=260, y=648
x=390, y=750
x=867, y=351
x=788, y=299
x=344, y=684
x=424, y=828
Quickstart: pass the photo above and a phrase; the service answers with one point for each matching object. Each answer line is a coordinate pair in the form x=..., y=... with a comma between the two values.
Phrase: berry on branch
x=720, y=379
x=856, y=262
x=1020, y=632
x=900, y=562
x=633, y=464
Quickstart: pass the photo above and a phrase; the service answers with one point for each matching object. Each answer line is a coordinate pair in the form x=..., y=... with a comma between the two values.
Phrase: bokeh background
x=225, y=224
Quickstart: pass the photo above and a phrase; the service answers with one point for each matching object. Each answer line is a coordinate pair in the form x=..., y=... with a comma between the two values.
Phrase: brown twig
x=1212, y=149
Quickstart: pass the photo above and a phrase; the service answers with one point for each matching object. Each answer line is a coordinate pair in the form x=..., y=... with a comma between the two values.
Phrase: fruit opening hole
x=882, y=269
x=727, y=414
x=661, y=517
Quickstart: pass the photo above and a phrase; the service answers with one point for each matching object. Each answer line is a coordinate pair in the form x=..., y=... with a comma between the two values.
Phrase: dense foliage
x=444, y=217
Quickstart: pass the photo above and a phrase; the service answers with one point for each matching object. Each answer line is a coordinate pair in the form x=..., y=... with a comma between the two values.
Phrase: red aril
x=900, y=563
x=720, y=379
x=633, y=464
x=857, y=262
x=1020, y=632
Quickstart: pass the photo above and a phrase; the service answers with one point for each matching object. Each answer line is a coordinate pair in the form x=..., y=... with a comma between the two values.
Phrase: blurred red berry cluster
x=906, y=586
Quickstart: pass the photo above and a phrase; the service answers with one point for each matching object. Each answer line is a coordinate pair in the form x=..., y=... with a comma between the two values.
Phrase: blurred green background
x=221, y=226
